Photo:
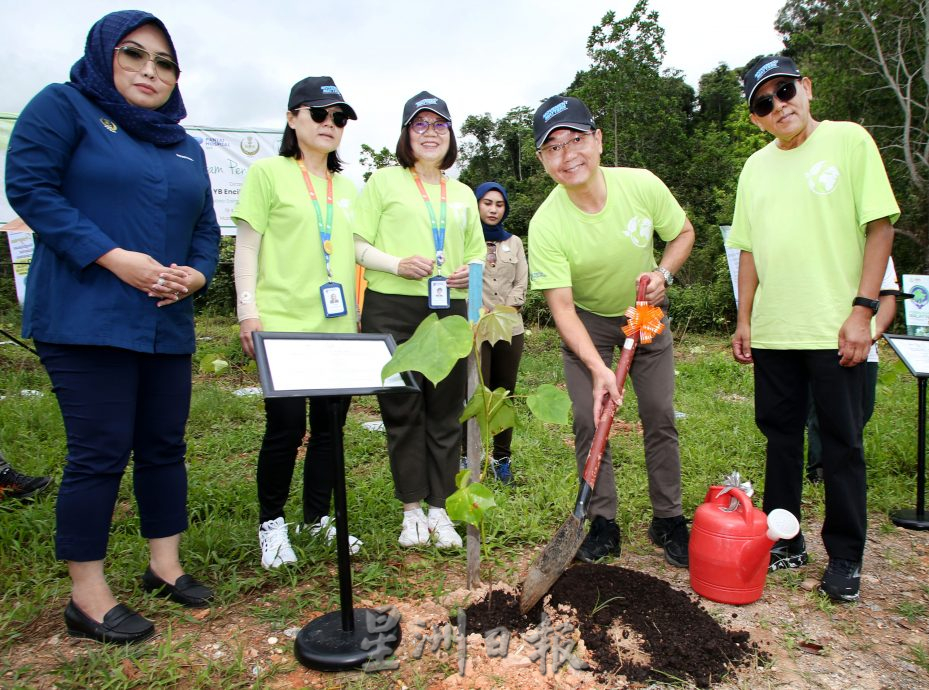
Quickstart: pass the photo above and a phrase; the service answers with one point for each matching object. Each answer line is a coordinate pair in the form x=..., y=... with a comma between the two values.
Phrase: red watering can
x=730, y=543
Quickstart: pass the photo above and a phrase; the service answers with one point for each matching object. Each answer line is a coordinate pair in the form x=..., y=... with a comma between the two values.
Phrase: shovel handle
x=608, y=410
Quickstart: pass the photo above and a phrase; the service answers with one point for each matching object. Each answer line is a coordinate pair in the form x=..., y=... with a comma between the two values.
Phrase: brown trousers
x=652, y=375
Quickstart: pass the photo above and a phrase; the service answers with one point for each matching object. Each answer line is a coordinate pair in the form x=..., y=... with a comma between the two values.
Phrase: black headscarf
x=494, y=233
x=92, y=75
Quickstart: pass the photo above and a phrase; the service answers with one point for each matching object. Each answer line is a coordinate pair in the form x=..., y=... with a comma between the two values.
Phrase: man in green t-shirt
x=813, y=220
x=589, y=242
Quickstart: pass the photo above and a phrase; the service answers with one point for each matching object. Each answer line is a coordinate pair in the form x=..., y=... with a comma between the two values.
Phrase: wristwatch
x=668, y=276
x=871, y=304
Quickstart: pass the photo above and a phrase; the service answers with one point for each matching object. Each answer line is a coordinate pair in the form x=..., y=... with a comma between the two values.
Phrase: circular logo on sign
x=109, y=124
x=822, y=178
x=249, y=145
x=920, y=296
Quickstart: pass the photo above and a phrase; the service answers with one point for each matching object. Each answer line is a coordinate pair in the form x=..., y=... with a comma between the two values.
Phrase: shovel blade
x=551, y=562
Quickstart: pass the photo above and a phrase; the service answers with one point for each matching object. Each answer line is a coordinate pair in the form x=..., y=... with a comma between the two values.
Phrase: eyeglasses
x=492, y=253
x=555, y=149
x=784, y=93
x=440, y=127
x=133, y=59
x=319, y=115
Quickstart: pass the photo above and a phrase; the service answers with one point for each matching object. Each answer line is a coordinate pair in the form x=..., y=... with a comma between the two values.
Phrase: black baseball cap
x=318, y=92
x=560, y=112
x=424, y=101
x=765, y=68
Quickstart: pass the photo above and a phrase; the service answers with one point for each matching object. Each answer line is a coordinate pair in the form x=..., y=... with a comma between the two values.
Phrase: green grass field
x=717, y=434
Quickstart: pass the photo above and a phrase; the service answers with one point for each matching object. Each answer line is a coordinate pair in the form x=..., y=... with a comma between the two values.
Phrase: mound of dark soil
x=632, y=624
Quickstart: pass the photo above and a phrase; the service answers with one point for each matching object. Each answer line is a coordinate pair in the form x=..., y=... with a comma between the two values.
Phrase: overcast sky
x=239, y=59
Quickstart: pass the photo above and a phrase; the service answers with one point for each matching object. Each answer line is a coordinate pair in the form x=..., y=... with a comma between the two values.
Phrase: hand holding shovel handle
x=644, y=322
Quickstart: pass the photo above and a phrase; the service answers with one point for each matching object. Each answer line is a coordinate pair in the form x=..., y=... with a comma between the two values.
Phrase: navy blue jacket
x=86, y=189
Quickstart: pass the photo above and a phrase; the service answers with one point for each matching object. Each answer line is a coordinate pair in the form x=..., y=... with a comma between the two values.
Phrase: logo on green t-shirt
x=639, y=231
x=822, y=178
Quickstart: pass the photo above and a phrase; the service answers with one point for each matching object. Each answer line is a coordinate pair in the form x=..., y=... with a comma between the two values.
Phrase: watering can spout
x=781, y=525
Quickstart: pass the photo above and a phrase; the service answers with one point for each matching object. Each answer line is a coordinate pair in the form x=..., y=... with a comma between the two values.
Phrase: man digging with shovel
x=589, y=243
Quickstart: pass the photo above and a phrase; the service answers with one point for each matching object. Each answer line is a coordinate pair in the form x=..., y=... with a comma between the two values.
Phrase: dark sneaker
x=602, y=540
x=503, y=473
x=16, y=485
x=788, y=553
x=671, y=534
x=814, y=474
x=841, y=580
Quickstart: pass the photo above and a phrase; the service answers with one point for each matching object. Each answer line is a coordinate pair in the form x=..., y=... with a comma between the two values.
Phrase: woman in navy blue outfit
x=120, y=201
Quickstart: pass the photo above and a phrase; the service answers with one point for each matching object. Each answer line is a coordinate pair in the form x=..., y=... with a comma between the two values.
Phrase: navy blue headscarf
x=494, y=233
x=92, y=75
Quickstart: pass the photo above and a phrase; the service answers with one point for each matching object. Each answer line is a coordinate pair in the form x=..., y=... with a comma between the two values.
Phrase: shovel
x=644, y=323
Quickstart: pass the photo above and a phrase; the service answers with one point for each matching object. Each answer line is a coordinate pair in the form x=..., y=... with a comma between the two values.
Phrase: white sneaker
x=415, y=528
x=275, y=545
x=326, y=528
x=442, y=529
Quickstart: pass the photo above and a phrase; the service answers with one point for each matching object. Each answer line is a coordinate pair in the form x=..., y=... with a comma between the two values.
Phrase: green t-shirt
x=391, y=214
x=291, y=266
x=600, y=255
x=802, y=213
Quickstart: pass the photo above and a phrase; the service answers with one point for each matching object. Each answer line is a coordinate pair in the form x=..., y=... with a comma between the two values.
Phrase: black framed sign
x=314, y=364
x=913, y=350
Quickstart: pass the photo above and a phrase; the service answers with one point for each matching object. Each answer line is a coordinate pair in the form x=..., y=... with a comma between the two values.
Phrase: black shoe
x=814, y=474
x=121, y=625
x=788, y=553
x=671, y=534
x=16, y=485
x=186, y=591
x=602, y=540
x=842, y=580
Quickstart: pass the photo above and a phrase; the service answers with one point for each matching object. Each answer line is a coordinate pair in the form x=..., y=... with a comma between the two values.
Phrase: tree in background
x=372, y=160
x=869, y=63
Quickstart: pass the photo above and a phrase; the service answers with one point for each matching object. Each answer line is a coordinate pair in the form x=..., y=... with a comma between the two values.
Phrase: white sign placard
x=732, y=258
x=916, y=309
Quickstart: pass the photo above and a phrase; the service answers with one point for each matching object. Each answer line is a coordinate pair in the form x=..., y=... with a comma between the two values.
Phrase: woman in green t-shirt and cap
x=295, y=272
x=414, y=211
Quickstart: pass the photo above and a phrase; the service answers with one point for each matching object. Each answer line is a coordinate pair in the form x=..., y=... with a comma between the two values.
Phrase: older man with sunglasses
x=589, y=243
x=813, y=220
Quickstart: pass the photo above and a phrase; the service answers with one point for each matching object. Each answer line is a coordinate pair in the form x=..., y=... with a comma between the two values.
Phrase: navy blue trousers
x=784, y=381
x=115, y=402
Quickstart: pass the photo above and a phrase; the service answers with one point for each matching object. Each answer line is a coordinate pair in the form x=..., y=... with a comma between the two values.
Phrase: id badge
x=438, y=293
x=333, y=300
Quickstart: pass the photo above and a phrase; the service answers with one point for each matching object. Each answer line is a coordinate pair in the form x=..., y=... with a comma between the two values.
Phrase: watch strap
x=871, y=304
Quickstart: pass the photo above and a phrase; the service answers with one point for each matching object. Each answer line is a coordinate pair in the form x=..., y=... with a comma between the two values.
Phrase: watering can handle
x=744, y=501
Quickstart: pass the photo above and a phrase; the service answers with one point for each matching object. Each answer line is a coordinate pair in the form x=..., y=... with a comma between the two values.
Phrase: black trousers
x=423, y=431
x=285, y=428
x=784, y=380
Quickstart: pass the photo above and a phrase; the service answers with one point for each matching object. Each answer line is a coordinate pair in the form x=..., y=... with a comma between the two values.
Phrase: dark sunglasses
x=319, y=115
x=765, y=105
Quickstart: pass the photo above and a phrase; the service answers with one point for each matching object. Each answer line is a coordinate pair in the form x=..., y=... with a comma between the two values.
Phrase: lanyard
x=325, y=231
x=438, y=229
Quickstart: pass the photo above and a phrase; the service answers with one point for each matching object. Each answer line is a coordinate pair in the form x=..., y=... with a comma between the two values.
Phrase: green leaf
x=213, y=363
x=433, y=349
x=550, y=404
x=493, y=409
x=497, y=324
x=469, y=502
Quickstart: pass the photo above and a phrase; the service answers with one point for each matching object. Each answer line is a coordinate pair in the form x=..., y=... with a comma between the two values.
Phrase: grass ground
x=717, y=435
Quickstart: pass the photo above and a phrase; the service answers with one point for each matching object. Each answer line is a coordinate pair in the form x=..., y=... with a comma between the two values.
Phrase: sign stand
x=914, y=352
x=335, y=365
